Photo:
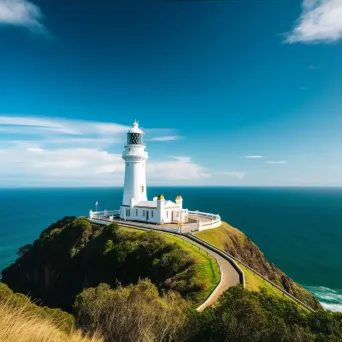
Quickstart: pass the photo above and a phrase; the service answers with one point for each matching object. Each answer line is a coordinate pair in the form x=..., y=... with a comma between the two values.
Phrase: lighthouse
x=135, y=206
x=135, y=157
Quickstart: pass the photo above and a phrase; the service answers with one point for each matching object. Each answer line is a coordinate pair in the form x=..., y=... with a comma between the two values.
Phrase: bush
x=132, y=313
x=243, y=315
x=73, y=254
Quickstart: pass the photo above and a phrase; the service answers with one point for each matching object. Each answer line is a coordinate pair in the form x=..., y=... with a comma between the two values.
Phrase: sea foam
x=331, y=299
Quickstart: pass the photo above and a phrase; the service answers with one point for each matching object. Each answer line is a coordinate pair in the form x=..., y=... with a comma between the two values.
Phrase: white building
x=135, y=205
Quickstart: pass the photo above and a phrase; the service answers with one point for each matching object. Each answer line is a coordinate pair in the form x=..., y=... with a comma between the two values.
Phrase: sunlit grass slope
x=23, y=321
x=205, y=270
x=240, y=246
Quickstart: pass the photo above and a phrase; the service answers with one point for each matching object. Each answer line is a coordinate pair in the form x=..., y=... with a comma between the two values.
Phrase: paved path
x=229, y=275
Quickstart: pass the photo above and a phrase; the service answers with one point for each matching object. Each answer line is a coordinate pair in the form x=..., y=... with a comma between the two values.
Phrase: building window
x=129, y=149
x=142, y=189
x=144, y=213
x=167, y=214
x=136, y=212
x=127, y=212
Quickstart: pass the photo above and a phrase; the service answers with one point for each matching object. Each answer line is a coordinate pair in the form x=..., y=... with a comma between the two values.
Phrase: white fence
x=210, y=220
x=203, y=220
x=109, y=214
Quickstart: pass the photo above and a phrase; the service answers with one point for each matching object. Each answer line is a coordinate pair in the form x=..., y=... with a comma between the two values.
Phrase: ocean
x=298, y=229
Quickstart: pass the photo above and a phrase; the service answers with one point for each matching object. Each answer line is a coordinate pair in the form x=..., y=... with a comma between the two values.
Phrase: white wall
x=135, y=174
x=140, y=214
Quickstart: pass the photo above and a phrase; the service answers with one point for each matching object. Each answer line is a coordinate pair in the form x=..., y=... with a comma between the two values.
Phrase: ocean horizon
x=299, y=229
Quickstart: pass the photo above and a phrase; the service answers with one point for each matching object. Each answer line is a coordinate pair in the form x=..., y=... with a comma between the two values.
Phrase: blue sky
x=229, y=92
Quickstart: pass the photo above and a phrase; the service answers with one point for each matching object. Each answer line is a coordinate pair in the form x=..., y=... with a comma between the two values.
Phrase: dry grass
x=19, y=324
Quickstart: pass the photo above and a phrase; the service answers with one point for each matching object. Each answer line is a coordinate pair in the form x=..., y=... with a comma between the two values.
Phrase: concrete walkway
x=229, y=275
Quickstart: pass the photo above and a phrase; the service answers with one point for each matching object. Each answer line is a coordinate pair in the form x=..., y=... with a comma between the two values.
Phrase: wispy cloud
x=254, y=157
x=277, y=162
x=237, y=174
x=320, y=21
x=38, y=151
x=182, y=159
x=166, y=138
x=57, y=131
x=22, y=13
x=181, y=170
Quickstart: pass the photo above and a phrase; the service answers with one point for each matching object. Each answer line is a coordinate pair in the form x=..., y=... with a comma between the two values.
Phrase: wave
x=331, y=299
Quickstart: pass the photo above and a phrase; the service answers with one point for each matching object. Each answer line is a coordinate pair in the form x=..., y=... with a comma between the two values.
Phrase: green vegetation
x=207, y=272
x=73, y=254
x=139, y=313
x=131, y=285
x=241, y=247
x=131, y=313
x=243, y=315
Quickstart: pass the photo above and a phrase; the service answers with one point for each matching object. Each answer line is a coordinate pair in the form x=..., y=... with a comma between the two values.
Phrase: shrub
x=132, y=313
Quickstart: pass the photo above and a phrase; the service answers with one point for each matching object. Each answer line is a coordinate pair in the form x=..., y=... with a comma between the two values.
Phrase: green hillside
x=241, y=247
x=73, y=254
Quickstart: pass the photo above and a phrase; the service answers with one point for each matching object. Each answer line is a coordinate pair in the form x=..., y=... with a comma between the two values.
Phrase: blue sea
x=298, y=229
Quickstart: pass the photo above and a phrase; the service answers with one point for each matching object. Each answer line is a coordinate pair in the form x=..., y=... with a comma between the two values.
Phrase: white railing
x=104, y=213
x=215, y=220
x=208, y=215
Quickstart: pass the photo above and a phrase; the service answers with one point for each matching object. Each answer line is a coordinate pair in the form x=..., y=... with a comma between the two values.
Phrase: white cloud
x=237, y=174
x=254, y=157
x=182, y=159
x=61, y=152
x=43, y=125
x=21, y=13
x=277, y=162
x=72, y=166
x=320, y=21
x=166, y=138
x=180, y=170
x=35, y=149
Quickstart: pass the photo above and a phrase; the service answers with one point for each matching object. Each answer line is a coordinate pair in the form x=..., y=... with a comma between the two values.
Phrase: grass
x=20, y=324
x=206, y=269
x=218, y=237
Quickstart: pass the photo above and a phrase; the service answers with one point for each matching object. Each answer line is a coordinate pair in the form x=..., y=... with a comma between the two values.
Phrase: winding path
x=229, y=274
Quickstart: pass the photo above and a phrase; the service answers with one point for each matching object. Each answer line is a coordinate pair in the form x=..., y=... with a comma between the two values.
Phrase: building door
x=146, y=215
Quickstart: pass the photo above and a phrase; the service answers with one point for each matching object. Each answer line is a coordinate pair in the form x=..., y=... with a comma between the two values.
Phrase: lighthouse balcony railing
x=134, y=153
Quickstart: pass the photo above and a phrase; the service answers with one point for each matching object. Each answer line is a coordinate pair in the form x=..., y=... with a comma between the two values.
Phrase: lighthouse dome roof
x=135, y=128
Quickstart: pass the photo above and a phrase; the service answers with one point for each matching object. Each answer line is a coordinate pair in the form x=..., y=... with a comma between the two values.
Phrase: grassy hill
x=241, y=247
x=207, y=271
x=73, y=254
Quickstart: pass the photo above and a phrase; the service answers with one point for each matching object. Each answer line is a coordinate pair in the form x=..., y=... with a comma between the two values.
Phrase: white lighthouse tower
x=135, y=157
x=135, y=206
